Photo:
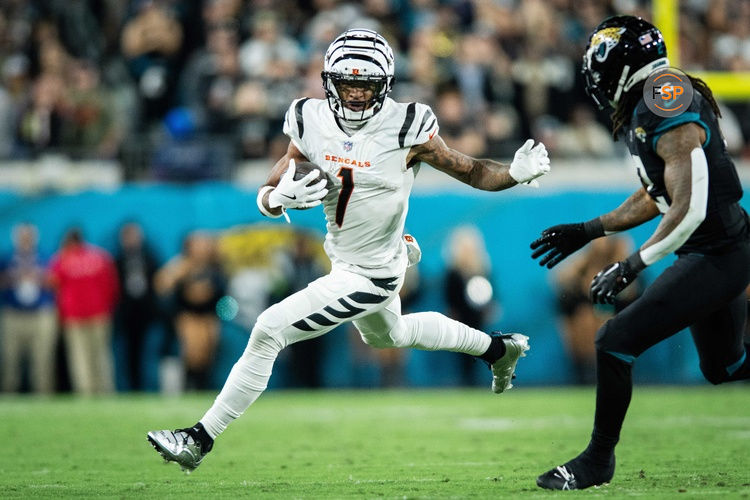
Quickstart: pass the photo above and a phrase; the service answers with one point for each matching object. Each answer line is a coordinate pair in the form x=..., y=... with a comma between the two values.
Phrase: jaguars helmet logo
x=603, y=41
x=640, y=134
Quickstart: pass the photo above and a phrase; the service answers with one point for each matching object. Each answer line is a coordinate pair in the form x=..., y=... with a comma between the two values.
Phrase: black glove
x=557, y=242
x=615, y=278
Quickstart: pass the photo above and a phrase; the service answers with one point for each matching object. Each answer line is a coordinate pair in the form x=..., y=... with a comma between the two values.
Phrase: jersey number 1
x=347, y=186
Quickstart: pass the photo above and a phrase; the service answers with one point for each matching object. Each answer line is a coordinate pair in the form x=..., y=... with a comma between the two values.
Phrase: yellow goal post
x=728, y=86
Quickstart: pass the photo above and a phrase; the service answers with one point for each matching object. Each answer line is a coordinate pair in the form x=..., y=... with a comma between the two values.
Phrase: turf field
x=678, y=443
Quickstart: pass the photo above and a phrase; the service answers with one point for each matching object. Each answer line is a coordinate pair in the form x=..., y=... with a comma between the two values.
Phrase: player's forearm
x=673, y=230
x=634, y=211
x=489, y=175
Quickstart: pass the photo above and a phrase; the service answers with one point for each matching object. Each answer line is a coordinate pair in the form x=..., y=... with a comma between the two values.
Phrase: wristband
x=635, y=261
x=594, y=228
x=259, y=200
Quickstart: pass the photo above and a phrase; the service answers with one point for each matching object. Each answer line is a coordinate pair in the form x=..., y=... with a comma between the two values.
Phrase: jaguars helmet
x=358, y=57
x=622, y=51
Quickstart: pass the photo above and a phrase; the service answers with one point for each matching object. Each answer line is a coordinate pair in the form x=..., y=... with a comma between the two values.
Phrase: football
x=305, y=167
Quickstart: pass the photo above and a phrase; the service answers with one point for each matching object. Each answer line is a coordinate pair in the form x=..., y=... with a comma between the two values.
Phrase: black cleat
x=578, y=474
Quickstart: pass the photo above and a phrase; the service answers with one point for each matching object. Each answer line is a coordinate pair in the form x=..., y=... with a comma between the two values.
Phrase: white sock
x=246, y=382
x=433, y=331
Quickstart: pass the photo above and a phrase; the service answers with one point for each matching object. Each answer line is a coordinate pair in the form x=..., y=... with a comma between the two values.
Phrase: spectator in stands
x=542, y=79
x=218, y=83
x=197, y=282
x=41, y=122
x=473, y=71
x=184, y=154
x=269, y=53
x=272, y=62
x=136, y=267
x=731, y=48
x=85, y=280
x=459, y=128
x=213, y=65
x=52, y=57
x=467, y=288
x=89, y=128
x=14, y=85
x=151, y=43
x=583, y=136
x=78, y=25
x=29, y=324
x=216, y=12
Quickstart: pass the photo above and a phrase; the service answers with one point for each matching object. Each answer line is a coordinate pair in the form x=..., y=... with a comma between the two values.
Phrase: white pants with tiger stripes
x=374, y=307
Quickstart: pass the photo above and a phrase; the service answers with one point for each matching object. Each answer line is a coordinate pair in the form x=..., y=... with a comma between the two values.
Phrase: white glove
x=413, y=252
x=529, y=163
x=297, y=194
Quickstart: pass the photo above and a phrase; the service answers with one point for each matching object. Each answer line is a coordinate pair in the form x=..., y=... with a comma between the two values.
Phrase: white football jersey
x=366, y=209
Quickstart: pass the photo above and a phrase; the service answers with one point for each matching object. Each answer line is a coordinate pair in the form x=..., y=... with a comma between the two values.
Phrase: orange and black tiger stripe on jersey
x=410, y=111
x=351, y=310
x=298, y=115
x=426, y=117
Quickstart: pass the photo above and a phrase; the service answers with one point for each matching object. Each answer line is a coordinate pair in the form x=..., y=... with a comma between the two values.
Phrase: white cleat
x=177, y=446
x=504, y=368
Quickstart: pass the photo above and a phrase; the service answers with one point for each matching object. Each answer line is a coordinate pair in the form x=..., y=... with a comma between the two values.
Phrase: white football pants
x=374, y=307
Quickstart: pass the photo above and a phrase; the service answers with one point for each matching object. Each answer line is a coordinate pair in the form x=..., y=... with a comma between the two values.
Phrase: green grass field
x=678, y=442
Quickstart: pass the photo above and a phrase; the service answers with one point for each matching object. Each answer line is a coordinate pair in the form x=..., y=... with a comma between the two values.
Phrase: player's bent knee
x=383, y=340
x=377, y=340
x=261, y=342
x=272, y=320
x=606, y=337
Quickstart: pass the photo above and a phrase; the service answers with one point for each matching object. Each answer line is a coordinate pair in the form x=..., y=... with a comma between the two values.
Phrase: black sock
x=495, y=351
x=614, y=387
x=199, y=433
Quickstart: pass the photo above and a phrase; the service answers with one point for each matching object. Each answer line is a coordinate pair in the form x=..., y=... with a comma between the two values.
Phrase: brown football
x=305, y=167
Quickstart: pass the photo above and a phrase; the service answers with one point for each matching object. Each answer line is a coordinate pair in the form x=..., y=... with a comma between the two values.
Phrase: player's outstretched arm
x=557, y=242
x=637, y=209
x=529, y=163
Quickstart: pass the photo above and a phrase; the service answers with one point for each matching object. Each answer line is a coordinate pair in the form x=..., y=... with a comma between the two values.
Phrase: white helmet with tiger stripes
x=358, y=57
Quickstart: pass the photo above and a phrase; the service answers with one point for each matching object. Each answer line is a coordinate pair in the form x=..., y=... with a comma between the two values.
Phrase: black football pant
x=703, y=292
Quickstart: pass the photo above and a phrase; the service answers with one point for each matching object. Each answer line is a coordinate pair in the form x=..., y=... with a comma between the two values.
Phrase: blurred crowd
x=91, y=321
x=78, y=300
x=184, y=89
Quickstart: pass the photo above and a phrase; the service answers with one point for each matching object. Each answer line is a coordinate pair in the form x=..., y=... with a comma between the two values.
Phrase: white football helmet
x=358, y=57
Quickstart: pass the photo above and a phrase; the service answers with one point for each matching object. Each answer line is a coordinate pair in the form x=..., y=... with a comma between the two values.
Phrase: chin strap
x=621, y=82
x=625, y=83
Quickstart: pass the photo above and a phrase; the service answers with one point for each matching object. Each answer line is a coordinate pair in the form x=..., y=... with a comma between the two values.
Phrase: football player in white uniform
x=371, y=148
